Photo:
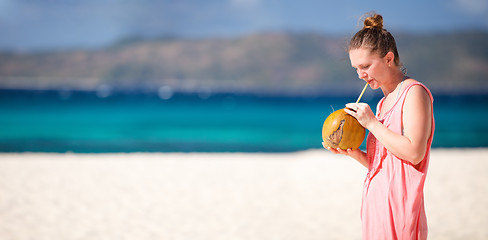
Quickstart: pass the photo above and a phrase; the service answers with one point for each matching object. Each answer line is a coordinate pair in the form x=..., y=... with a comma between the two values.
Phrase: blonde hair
x=374, y=37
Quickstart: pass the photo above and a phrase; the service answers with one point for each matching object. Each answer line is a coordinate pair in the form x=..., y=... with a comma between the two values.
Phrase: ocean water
x=84, y=122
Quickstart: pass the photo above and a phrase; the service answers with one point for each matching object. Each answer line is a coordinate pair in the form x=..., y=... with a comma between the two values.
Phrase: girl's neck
x=396, y=78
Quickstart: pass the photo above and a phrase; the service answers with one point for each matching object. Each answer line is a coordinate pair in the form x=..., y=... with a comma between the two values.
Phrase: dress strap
x=398, y=93
x=405, y=91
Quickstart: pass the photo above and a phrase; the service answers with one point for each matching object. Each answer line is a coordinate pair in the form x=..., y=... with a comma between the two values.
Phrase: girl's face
x=370, y=66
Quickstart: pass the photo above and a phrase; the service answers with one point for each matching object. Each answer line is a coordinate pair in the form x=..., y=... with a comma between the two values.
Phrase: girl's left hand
x=362, y=112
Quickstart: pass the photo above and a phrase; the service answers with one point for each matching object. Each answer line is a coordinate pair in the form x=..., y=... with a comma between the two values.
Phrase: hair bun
x=374, y=21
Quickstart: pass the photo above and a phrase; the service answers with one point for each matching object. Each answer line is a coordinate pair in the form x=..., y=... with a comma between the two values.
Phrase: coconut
x=342, y=130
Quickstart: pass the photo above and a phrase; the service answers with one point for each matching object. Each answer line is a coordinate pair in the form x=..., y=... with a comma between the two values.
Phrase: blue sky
x=57, y=24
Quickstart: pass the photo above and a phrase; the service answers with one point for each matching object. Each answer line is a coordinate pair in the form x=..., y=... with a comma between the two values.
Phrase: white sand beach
x=305, y=195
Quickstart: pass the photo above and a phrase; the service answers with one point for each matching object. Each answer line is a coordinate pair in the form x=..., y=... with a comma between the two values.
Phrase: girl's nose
x=362, y=74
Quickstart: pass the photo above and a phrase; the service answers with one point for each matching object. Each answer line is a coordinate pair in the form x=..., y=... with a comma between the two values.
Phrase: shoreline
x=143, y=153
x=310, y=194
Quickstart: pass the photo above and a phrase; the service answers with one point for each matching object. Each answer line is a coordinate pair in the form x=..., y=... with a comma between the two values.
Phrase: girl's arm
x=417, y=123
x=357, y=154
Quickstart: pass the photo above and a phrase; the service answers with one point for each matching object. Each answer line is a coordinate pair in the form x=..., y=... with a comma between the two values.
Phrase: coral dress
x=393, y=199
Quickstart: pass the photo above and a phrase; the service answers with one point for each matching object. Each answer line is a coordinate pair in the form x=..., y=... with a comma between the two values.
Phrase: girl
x=398, y=145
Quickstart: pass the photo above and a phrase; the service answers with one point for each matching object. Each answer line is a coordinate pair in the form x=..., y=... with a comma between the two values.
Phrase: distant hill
x=277, y=63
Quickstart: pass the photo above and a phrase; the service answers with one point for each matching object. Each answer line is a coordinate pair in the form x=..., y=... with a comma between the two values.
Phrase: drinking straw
x=364, y=89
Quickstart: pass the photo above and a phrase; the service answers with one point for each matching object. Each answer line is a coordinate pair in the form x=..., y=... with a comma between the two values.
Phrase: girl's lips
x=370, y=81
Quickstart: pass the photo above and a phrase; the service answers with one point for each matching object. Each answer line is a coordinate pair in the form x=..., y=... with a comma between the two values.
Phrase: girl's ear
x=389, y=58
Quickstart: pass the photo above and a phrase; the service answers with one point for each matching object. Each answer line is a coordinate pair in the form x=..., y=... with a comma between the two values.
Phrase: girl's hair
x=374, y=37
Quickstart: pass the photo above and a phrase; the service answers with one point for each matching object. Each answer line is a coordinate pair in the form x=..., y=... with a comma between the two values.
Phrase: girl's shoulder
x=409, y=81
x=416, y=90
x=415, y=87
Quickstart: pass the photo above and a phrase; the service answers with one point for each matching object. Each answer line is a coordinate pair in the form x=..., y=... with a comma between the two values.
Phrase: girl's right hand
x=357, y=154
x=336, y=150
x=347, y=152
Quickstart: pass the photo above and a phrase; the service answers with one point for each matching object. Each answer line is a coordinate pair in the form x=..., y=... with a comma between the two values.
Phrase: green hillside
x=275, y=63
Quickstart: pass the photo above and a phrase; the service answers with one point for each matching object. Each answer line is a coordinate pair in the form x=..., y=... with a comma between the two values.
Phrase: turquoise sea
x=84, y=122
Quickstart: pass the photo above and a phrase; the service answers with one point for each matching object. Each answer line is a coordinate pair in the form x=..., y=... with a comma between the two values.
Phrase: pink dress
x=393, y=198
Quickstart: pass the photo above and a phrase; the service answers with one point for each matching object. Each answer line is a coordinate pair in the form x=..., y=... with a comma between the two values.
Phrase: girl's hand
x=362, y=112
x=347, y=152
x=357, y=154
